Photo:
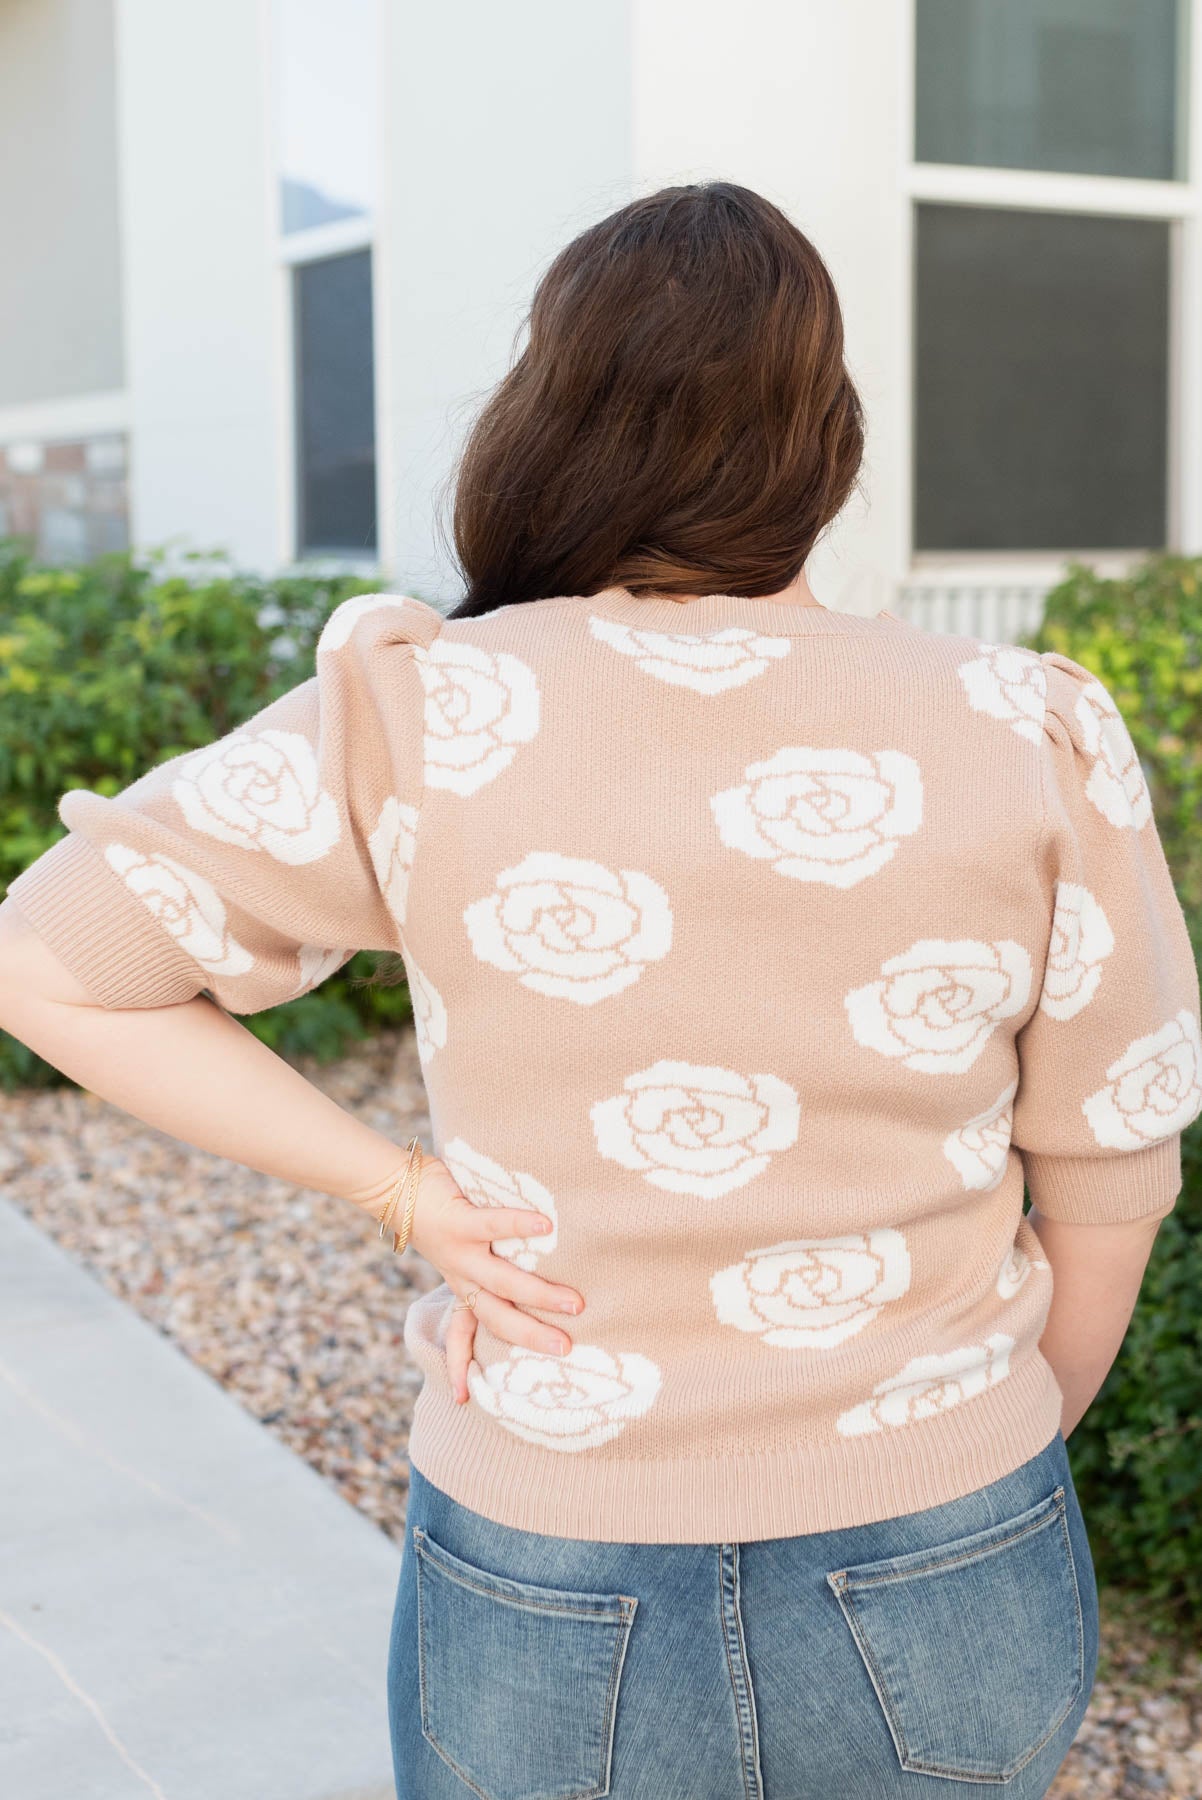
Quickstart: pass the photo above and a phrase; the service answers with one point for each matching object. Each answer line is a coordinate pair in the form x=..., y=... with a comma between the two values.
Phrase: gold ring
x=470, y=1300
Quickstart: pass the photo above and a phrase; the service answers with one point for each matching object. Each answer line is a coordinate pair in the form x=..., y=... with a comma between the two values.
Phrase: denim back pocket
x=519, y=1684
x=975, y=1647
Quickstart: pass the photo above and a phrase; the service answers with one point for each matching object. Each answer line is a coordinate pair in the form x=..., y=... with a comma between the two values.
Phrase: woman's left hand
x=456, y=1236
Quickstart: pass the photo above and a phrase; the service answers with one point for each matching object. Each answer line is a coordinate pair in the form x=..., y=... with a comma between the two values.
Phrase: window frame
x=288, y=251
x=1178, y=203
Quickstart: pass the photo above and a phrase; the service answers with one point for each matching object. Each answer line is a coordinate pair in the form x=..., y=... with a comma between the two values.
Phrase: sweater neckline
x=713, y=612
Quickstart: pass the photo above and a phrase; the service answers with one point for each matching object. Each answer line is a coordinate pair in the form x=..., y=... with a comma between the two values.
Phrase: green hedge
x=1137, y=1454
x=110, y=667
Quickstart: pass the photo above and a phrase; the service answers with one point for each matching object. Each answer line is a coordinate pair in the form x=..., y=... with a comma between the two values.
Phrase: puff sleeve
x=1110, y=1061
x=256, y=866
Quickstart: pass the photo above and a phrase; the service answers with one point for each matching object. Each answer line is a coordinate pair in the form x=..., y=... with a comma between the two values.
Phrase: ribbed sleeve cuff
x=103, y=933
x=1108, y=1189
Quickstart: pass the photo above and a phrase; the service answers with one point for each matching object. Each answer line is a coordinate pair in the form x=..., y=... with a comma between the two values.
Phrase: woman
x=757, y=952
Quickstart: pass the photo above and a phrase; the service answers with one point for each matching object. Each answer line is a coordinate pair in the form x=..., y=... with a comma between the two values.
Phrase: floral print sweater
x=766, y=949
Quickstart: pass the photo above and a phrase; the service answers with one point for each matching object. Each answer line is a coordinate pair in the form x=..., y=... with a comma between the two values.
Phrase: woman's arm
x=1096, y=1276
x=196, y=1073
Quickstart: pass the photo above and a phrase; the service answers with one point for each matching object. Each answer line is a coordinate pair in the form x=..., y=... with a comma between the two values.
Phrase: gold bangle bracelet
x=402, y=1188
x=391, y=1203
x=400, y=1241
x=411, y=1169
x=398, y=1188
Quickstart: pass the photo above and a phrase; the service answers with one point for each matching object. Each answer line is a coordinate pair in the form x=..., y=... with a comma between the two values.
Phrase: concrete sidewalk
x=187, y=1610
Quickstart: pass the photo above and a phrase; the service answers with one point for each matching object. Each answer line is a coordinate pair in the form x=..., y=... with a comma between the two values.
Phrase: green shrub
x=1137, y=1454
x=110, y=667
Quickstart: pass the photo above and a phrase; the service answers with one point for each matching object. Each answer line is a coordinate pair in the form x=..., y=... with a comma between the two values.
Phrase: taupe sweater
x=763, y=947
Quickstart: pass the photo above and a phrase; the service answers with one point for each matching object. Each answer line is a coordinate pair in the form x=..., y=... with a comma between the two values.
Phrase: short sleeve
x=1110, y=1061
x=256, y=866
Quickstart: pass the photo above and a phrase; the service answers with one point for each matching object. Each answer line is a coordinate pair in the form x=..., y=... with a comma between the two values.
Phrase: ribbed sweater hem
x=1120, y=1186
x=785, y=1492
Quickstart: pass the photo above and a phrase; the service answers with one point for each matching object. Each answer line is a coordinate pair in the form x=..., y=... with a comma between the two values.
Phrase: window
x=335, y=396
x=1040, y=380
x=1049, y=193
x=1088, y=86
x=324, y=64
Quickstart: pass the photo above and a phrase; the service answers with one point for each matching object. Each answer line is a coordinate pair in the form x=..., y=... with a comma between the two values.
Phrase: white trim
x=1019, y=568
x=80, y=416
x=327, y=563
x=1000, y=614
x=1188, y=378
x=905, y=327
x=333, y=239
x=1046, y=191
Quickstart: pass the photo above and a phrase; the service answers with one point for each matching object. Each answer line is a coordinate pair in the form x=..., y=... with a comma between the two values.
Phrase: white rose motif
x=707, y=662
x=391, y=847
x=979, y=1150
x=486, y=1183
x=1116, y=783
x=429, y=1013
x=939, y=1001
x=315, y=963
x=823, y=815
x=1153, y=1089
x=696, y=1130
x=1016, y=1266
x=571, y=928
x=813, y=1293
x=260, y=790
x=342, y=621
x=929, y=1385
x=1008, y=683
x=185, y=904
x=480, y=705
x=571, y=1402
x=1081, y=937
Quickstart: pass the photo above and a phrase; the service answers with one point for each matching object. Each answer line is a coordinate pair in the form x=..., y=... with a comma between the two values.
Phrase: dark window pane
x=335, y=405
x=1089, y=86
x=1040, y=380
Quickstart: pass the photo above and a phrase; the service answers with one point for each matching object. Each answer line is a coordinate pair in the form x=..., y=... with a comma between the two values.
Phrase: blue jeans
x=935, y=1654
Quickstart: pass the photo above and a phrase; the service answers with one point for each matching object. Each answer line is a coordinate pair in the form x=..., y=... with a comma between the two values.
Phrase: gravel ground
x=290, y=1300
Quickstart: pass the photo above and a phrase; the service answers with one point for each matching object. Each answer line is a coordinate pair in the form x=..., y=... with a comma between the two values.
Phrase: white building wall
x=197, y=193
x=809, y=106
x=505, y=130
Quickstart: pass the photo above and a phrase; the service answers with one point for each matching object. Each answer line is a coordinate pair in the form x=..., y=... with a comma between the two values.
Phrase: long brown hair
x=680, y=421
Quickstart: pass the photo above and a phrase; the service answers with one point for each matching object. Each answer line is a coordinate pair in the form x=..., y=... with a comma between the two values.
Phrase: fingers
x=461, y=1338
x=505, y=1322
x=500, y=1276
x=516, y=1327
x=495, y=1222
